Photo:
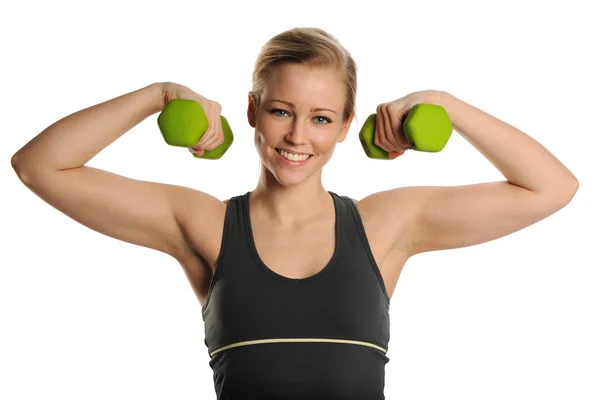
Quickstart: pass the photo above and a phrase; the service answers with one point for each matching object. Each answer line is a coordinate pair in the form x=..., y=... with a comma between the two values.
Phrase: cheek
x=325, y=140
x=266, y=131
x=259, y=141
x=262, y=142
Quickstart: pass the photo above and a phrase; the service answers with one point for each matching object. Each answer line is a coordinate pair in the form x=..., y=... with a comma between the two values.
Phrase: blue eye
x=276, y=110
x=327, y=120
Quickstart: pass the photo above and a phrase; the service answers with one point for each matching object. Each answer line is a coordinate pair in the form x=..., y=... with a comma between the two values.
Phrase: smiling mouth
x=293, y=156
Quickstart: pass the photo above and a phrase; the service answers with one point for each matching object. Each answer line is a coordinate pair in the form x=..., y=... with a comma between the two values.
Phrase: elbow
x=20, y=166
x=16, y=163
x=564, y=193
x=14, y=160
x=571, y=190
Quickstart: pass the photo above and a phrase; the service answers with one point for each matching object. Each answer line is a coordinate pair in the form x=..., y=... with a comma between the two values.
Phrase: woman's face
x=299, y=121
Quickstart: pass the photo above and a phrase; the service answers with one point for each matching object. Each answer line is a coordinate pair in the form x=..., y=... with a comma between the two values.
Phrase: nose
x=298, y=134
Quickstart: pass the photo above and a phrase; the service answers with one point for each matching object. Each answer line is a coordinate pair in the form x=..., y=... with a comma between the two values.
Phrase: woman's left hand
x=389, y=135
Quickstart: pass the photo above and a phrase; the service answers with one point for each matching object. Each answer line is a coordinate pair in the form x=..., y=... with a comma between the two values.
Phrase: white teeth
x=293, y=157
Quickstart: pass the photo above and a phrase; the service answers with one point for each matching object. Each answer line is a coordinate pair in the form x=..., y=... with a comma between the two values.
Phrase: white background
x=84, y=316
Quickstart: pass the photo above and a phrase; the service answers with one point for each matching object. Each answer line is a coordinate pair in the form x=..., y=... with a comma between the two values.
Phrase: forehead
x=299, y=84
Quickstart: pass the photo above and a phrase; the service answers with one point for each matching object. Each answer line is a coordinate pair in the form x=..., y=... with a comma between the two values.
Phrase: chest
x=296, y=253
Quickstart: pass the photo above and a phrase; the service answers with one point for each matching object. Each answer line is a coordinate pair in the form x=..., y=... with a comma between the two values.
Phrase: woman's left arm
x=431, y=218
x=523, y=161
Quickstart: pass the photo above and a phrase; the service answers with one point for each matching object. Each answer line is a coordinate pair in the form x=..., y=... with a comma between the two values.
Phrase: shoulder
x=235, y=198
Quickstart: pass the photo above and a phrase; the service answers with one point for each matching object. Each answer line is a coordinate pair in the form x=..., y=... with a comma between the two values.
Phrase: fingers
x=214, y=134
x=388, y=131
x=212, y=138
x=392, y=128
x=381, y=139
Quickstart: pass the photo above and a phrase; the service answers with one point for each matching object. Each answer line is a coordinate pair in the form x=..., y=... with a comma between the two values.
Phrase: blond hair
x=305, y=46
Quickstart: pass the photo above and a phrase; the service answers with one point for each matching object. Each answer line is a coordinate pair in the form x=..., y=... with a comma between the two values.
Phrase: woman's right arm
x=148, y=214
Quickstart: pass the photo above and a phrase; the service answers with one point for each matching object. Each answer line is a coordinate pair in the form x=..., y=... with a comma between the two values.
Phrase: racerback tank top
x=273, y=337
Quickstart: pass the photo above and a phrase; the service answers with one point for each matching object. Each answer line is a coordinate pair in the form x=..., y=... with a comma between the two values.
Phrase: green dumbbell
x=183, y=122
x=427, y=128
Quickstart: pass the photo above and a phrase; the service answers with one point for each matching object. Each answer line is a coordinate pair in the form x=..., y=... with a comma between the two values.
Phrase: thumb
x=394, y=154
x=196, y=151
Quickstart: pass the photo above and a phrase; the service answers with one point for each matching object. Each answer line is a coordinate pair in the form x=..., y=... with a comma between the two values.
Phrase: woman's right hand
x=214, y=135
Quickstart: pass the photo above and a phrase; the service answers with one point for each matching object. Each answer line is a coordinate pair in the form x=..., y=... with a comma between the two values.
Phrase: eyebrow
x=292, y=106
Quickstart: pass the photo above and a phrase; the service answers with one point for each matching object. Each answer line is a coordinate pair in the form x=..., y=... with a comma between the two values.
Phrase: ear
x=251, y=111
x=345, y=128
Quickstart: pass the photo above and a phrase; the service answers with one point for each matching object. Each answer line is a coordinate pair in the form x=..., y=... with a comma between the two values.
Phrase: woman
x=294, y=280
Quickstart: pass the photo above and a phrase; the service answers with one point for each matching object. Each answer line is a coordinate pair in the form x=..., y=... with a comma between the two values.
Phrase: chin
x=285, y=177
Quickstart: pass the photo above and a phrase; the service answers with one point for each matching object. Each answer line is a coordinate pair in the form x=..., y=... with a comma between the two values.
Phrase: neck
x=290, y=205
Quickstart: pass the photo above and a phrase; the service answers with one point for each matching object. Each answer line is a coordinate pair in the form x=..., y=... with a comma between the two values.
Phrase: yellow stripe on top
x=297, y=340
